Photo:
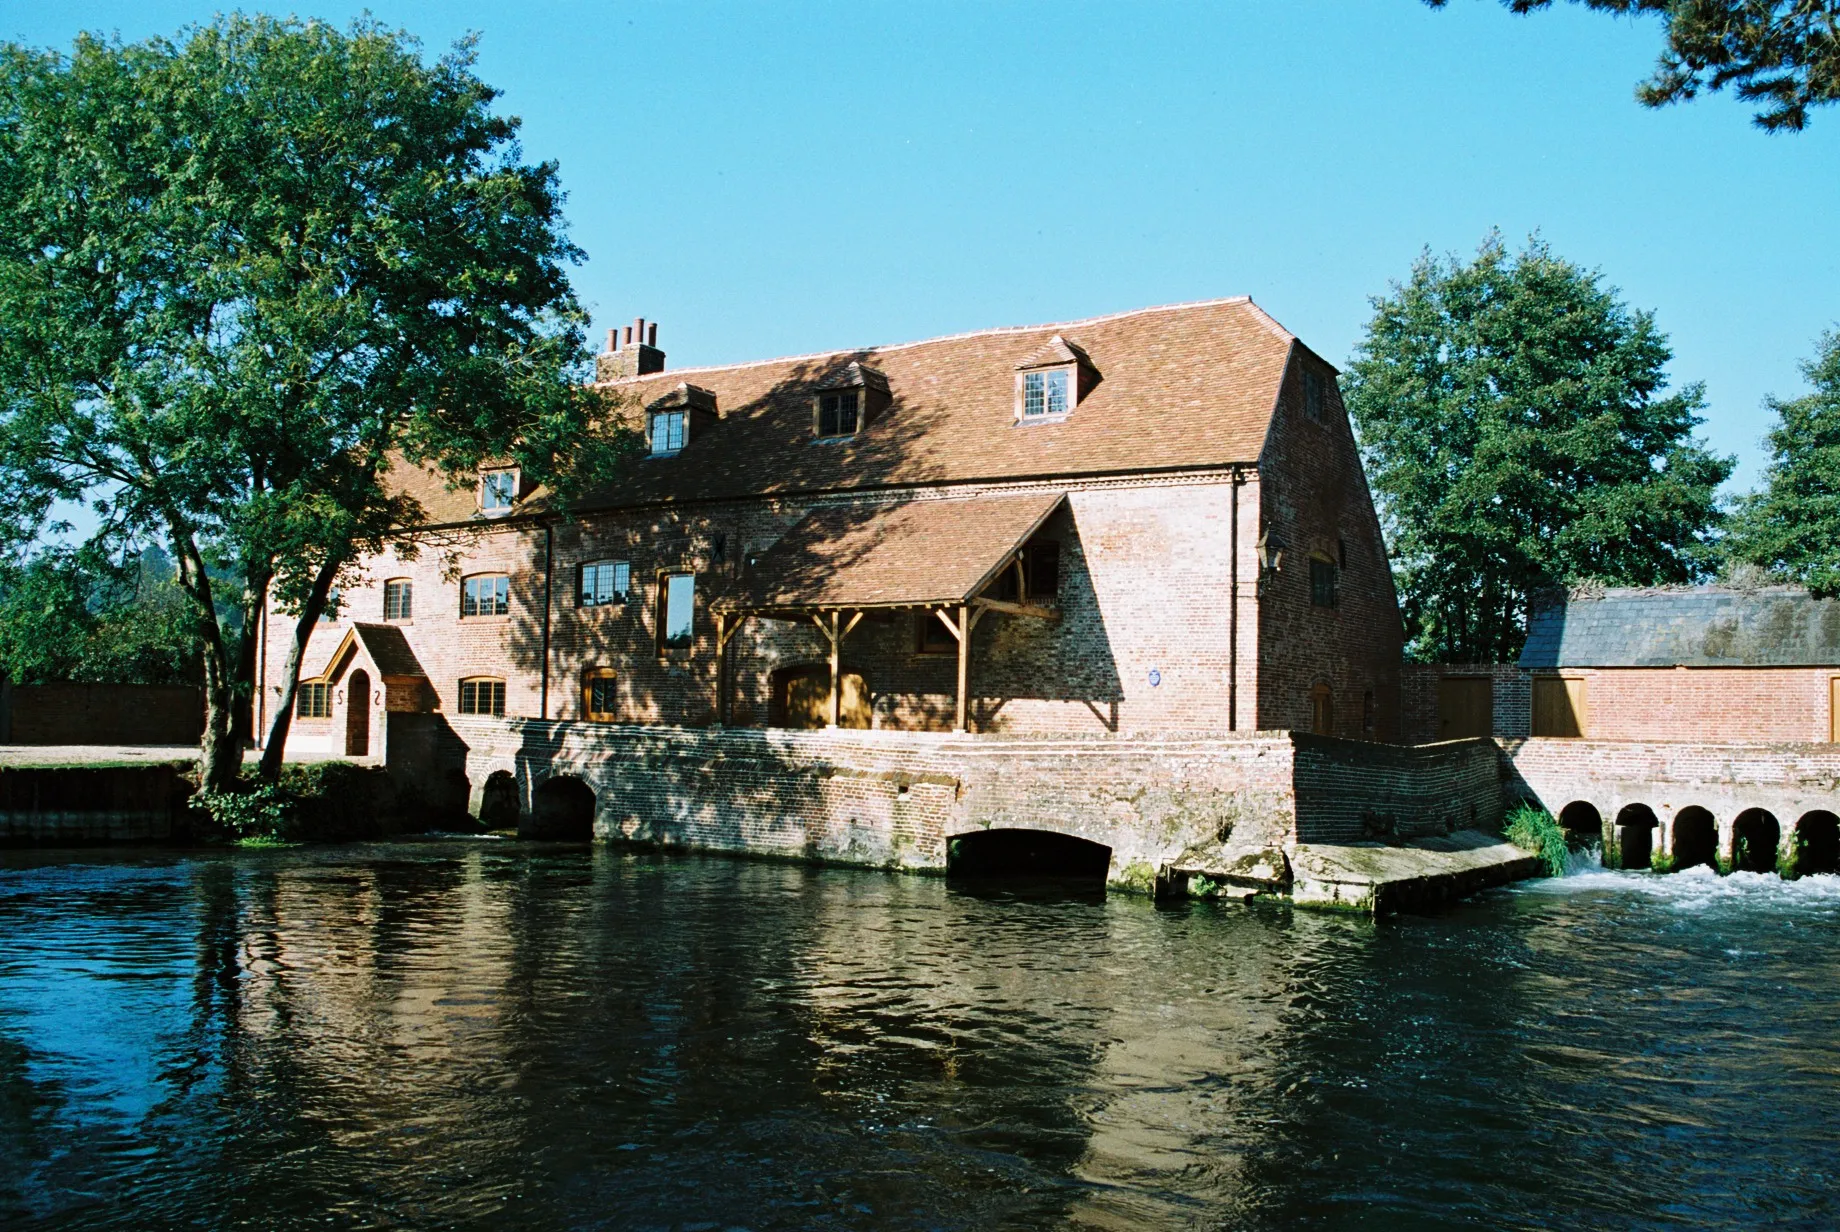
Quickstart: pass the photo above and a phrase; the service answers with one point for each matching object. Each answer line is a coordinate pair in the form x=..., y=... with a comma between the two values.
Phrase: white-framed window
x=398, y=599
x=676, y=611
x=839, y=412
x=485, y=594
x=1046, y=394
x=482, y=695
x=604, y=582
x=329, y=612
x=497, y=492
x=668, y=431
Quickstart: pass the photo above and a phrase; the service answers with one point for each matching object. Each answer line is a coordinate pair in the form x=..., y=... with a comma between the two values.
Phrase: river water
x=479, y=1034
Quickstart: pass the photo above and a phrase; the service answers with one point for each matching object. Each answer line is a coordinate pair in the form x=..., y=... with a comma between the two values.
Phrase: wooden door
x=1466, y=707
x=358, y=715
x=1559, y=706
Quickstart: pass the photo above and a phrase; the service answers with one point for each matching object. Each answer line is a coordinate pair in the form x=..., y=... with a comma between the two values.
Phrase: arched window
x=1322, y=710
x=482, y=695
x=599, y=695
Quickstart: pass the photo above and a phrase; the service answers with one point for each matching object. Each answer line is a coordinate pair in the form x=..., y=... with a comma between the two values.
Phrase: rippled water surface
x=487, y=1035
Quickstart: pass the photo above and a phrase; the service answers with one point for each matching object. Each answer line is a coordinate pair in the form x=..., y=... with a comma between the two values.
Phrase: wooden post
x=963, y=718
x=721, y=669
x=836, y=707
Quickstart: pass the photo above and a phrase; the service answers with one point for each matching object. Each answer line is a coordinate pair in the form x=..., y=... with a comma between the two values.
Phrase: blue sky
x=771, y=179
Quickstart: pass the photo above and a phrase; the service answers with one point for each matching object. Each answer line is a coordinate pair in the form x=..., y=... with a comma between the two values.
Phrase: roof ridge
x=1265, y=318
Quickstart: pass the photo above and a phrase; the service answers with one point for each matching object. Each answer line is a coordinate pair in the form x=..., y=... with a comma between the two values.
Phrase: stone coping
x=1375, y=878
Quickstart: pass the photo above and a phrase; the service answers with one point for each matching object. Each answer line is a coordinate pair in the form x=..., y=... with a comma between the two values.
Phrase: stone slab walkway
x=1415, y=875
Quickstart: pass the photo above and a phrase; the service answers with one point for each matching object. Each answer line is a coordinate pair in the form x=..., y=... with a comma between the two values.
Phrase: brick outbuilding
x=1146, y=522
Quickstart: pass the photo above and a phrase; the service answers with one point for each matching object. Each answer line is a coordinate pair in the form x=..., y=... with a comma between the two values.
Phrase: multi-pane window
x=497, y=490
x=330, y=612
x=314, y=701
x=838, y=413
x=1322, y=583
x=676, y=611
x=398, y=600
x=482, y=695
x=1312, y=393
x=1044, y=393
x=485, y=594
x=668, y=431
x=599, y=698
x=604, y=582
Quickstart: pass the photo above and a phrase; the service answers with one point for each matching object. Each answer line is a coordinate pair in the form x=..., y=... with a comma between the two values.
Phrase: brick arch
x=476, y=787
x=1694, y=837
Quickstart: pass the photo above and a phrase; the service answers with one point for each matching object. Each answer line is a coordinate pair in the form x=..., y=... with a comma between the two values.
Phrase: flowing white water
x=1691, y=889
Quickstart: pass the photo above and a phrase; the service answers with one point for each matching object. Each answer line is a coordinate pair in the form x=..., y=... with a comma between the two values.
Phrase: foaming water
x=490, y=1035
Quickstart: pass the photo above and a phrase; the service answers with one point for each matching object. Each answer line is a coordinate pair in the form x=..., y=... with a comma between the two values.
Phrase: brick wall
x=1315, y=502
x=1143, y=644
x=1348, y=791
x=89, y=804
x=1419, y=719
x=103, y=714
x=1723, y=704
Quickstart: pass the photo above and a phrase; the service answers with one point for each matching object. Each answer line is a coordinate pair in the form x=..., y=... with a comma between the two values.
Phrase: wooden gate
x=1466, y=707
x=1559, y=706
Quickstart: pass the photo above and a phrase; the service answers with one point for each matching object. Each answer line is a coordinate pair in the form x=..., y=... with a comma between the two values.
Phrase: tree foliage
x=1513, y=418
x=1781, y=54
x=1791, y=528
x=74, y=614
x=245, y=272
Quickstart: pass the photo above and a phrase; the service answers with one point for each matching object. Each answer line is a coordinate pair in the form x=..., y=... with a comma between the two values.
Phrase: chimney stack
x=636, y=354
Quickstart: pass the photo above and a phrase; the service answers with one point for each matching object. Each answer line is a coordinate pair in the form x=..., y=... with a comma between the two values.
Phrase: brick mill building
x=1149, y=522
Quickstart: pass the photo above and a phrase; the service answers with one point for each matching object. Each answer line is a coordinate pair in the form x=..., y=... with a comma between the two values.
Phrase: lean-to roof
x=1699, y=626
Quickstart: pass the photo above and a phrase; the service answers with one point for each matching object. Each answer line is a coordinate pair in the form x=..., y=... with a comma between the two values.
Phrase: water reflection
x=491, y=1035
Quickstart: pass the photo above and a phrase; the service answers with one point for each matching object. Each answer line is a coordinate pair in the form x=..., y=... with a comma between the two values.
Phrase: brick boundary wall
x=1511, y=694
x=1348, y=792
x=144, y=714
x=1789, y=780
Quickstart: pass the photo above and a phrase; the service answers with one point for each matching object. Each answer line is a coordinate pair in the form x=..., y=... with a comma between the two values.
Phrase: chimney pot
x=613, y=339
x=629, y=335
x=651, y=337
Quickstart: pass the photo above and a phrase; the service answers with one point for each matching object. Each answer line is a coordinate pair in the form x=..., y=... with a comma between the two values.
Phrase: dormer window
x=838, y=413
x=1053, y=381
x=668, y=430
x=847, y=399
x=497, y=492
x=1044, y=393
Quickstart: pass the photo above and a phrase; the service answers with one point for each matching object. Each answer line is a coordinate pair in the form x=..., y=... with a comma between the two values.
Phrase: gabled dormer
x=672, y=420
x=1053, y=381
x=846, y=400
x=500, y=489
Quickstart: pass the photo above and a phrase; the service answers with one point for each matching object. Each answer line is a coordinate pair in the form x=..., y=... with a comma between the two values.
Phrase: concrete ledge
x=1422, y=873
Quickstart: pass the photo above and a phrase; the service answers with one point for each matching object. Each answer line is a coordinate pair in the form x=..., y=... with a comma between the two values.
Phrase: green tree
x=1782, y=54
x=247, y=272
x=1512, y=417
x=74, y=614
x=1792, y=526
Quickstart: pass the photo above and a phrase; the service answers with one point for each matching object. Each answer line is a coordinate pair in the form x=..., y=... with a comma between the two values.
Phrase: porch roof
x=386, y=647
x=924, y=553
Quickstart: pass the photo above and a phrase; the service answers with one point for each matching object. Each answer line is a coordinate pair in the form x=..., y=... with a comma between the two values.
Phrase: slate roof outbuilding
x=1699, y=626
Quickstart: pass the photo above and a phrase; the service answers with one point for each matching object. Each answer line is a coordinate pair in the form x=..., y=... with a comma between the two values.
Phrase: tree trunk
x=276, y=745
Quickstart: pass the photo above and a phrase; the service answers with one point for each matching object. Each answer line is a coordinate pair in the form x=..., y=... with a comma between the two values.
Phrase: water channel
x=483, y=1034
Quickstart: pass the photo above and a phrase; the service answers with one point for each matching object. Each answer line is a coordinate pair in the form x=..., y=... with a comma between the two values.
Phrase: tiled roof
x=1189, y=385
x=388, y=649
x=915, y=554
x=1700, y=626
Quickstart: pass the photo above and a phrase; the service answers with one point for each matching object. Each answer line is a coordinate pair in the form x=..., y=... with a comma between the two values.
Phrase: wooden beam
x=721, y=669
x=836, y=638
x=1036, y=610
x=947, y=622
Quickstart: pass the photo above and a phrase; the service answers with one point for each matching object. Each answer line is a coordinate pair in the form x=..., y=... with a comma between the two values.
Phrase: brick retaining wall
x=139, y=714
x=1348, y=791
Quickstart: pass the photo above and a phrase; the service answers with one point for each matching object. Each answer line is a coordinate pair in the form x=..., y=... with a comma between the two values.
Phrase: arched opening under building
x=561, y=808
x=802, y=697
x=1696, y=837
x=358, y=714
x=1040, y=855
x=1754, y=835
x=498, y=801
x=1817, y=843
x=1582, y=823
x=1635, y=835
